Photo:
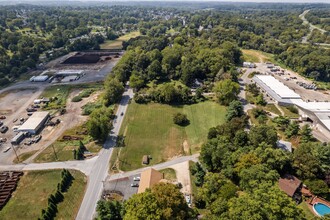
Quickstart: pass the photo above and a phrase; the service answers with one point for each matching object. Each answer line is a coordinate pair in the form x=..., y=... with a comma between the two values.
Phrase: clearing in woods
x=117, y=44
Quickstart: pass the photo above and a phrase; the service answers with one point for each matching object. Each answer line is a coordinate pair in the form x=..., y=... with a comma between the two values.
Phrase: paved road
x=84, y=166
x=159, y=166
x=311, y=28
x=101, y=166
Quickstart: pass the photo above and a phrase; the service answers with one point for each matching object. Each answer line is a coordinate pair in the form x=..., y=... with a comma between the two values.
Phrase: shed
x=18, y=138
x=145, y=159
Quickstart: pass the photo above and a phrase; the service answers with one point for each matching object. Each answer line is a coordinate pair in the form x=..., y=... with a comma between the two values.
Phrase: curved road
x=311, y=28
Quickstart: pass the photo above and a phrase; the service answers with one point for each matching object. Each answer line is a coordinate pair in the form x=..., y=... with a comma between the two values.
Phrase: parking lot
x=296, y=83
x=123, y=185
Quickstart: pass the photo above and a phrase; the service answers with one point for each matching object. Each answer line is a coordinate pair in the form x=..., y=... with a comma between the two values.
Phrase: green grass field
x=169, y=174
x=117, y=44
x=32, y=193
x=288, y=113
x=64, y=149
x=149, y=130
x=272, y=108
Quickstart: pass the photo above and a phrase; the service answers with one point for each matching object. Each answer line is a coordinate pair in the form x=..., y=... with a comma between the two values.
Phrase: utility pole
x=54, y=152
x=15, y=152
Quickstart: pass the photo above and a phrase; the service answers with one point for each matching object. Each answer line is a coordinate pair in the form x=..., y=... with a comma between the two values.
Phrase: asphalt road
x=101, y=166
x=159, y=166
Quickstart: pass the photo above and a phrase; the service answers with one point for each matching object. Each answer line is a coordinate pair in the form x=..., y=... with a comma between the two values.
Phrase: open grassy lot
x=61, y=93
x=32, y=193
x=64, y=148
x=252, y=56
x=117, y=44
x=149, y=130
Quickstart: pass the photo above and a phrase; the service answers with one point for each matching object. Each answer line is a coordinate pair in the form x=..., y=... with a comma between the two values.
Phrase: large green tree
x=226, y=91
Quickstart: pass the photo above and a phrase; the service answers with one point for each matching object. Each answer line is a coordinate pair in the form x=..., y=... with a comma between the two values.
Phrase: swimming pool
x=321, y=209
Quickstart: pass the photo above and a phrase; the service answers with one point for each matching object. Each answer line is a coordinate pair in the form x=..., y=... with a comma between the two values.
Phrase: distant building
x=34, y=124
x=249, y=65
x=291, y=185
x=149, y=178
x=42, y=78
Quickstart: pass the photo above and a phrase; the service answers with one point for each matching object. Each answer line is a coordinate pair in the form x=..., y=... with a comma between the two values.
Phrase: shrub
x=180, y=119
x=76, y=99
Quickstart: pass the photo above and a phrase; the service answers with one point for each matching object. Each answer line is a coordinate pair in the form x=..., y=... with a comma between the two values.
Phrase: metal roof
x=270, y=84
x=34, y=121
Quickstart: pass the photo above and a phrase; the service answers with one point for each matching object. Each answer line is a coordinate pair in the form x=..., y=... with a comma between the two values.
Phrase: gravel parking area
x=290, y=79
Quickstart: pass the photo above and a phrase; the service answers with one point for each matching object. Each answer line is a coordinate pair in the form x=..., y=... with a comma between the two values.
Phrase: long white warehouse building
x=283, y=95
x=34, y=123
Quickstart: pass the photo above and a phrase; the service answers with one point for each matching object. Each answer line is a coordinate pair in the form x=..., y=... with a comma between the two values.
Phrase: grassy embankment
x=117, y=44
x=149, y=130
x=32, y=193
x=64, y=148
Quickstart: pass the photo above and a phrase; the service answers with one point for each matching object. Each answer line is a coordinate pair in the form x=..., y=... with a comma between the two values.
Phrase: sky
x=278, y=1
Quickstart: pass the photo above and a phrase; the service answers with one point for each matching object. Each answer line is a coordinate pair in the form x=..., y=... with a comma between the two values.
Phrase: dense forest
x=32, y=34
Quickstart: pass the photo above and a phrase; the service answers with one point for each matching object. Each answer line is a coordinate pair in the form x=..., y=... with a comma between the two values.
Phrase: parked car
x=1, y=123
x=2, y=117
x=122, y=114
x=3, y=129
x=134, y=185
x=137, y=178
x=37, y=138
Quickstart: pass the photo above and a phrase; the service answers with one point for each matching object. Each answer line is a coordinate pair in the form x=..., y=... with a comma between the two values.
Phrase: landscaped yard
x=117, y=44
x=149, y=130
x=308, y=214
x=64, y=148
x=32, y=193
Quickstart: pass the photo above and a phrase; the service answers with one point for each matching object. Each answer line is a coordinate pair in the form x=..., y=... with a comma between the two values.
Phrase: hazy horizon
x=233, y=1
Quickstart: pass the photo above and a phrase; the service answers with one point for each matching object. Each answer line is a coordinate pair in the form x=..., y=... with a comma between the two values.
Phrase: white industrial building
x=283, y=95
x=34, y=124
x=41, y=78
x=69, y=72
x=277, y=90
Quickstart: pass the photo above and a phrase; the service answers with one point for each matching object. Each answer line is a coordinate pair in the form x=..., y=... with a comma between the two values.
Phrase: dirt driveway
x=182, y=174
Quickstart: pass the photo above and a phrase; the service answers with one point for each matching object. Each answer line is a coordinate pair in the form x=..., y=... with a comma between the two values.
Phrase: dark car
x=122, y=114
x=37, y=138
x=3, y=129
x=134, y=185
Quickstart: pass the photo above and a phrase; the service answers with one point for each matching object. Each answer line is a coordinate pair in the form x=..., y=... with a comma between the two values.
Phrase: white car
x=137, y=178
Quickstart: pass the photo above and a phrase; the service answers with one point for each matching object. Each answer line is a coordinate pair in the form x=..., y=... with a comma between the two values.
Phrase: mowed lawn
x=32, y=193
x=149, y=130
